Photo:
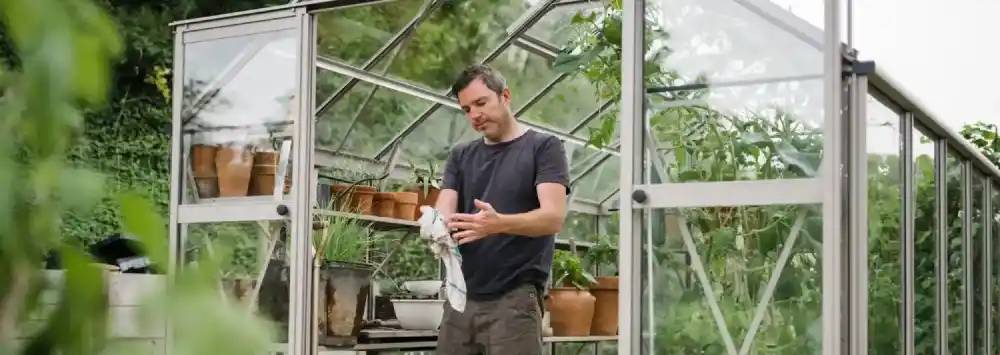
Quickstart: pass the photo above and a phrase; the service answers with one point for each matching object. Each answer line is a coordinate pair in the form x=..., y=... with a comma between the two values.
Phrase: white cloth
x=435, y=232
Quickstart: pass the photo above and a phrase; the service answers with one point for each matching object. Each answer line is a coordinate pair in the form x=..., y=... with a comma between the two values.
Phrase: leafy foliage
x=567, y=269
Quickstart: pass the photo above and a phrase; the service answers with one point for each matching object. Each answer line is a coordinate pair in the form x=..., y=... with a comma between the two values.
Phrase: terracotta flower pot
x=203, y=168
x=262, y=175
x=343, y=196
x=572, y=311
x=406, y=205
x=233, y=165
x=362, y=199
x=203, y=160
x=606, y=309
x=385, y=204
x=424, y=200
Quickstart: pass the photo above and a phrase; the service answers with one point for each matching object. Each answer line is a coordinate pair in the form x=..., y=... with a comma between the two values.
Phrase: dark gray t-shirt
x=505, y=175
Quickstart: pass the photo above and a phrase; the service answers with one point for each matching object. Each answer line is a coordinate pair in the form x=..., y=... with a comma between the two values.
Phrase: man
x=504, y=197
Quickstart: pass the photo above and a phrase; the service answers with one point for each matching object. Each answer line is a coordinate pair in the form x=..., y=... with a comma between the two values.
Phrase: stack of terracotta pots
x=428, y=199
x=366, y=200
x=233, y=171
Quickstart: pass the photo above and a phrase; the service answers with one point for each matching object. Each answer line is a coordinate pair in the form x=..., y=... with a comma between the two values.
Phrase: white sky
x=945, y=53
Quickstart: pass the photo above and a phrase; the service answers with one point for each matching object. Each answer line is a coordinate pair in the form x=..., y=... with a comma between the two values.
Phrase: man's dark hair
x=493, y=80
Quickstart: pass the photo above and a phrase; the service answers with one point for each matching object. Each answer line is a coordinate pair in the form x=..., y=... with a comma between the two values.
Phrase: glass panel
x=725, y=137
x=722, y=40
x=366, y=119
x=433, y=139
x=925, y=287
x=884, y=244
x=569, y=102
x=739, y=248
x=956, y=286
x=457, y=34
x=599, y=183
x=579, y=226
x=995, y=278
x=526, y=74
x=239, y=105
x=353, y=35
x=978, y=265
x=254, y=264
x=732, y=95
x=555, y=28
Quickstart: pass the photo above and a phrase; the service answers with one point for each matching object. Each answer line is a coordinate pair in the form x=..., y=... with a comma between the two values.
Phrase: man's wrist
x=503, y=223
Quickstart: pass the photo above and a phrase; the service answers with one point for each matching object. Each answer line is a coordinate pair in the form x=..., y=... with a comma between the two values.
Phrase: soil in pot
x=385, y=204
x=203, y=168
x=572, y=311
x=234, y=164
x=343, y=299
x=606, y=309
x=262, y=176
x=406, y=205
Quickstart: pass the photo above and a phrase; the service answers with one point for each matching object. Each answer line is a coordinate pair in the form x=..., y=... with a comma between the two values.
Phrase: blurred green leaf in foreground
x=65, y=50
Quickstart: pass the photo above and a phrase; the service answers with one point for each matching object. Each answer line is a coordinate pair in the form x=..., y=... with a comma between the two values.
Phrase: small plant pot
x=572, y=311
x=419, y=314
x=234, y=165
x=385, y=204
x=424, y=200
x=203, y=168
x=203, y=159
x=363, y=199
x=606, y=308
x=262, y=176
x=406, y=205
x=341, y=196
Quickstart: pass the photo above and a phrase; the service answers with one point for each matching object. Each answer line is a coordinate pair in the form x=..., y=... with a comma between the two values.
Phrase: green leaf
x=791, y=156
x=140, y=220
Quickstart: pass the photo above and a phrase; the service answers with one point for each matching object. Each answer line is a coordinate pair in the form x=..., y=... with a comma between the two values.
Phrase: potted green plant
x=604, y=253
x=426, y=184
x=342, y=245
x=570, y=304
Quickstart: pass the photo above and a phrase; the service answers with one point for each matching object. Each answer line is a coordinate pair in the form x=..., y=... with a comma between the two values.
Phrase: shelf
x=379, y=223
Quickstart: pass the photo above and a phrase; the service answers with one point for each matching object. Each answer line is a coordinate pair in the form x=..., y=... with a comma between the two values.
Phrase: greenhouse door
x=235, y=191
x=728, y=205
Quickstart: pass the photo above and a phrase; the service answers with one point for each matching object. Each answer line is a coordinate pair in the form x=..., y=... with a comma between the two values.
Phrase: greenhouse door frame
x=295, y=210
x=843, y=311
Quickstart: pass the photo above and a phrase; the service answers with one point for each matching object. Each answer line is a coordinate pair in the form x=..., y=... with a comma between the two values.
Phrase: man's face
x=487, y=112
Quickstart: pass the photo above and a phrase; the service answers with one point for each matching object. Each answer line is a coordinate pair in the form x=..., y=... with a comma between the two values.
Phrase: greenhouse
x=749, y=184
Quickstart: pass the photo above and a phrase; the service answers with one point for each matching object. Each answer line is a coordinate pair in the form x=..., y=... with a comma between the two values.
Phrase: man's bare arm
x=546, y=220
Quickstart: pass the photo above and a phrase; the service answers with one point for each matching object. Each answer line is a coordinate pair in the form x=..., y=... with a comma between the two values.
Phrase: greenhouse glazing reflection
x=784, y=197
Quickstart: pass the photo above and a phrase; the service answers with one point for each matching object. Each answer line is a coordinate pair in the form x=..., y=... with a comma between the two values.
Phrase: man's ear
x=505, y=97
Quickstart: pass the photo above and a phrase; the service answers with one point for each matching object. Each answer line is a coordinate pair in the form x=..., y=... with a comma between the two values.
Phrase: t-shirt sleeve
x=450, y=179
x=551, y=163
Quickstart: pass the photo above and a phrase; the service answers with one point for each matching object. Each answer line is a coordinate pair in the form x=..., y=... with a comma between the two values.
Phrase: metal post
x=967, y=285
x=301, y=332
x=941, y=224
x=176, y=248
x=858, y=216
x=834, y=192
x=988, y=264
x=908, y=236
x=629, y=258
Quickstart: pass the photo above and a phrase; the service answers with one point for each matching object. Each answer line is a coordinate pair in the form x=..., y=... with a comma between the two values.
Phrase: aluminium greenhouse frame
x=840, y=187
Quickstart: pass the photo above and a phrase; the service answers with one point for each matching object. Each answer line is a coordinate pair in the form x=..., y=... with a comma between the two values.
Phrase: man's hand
x=476, y=226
